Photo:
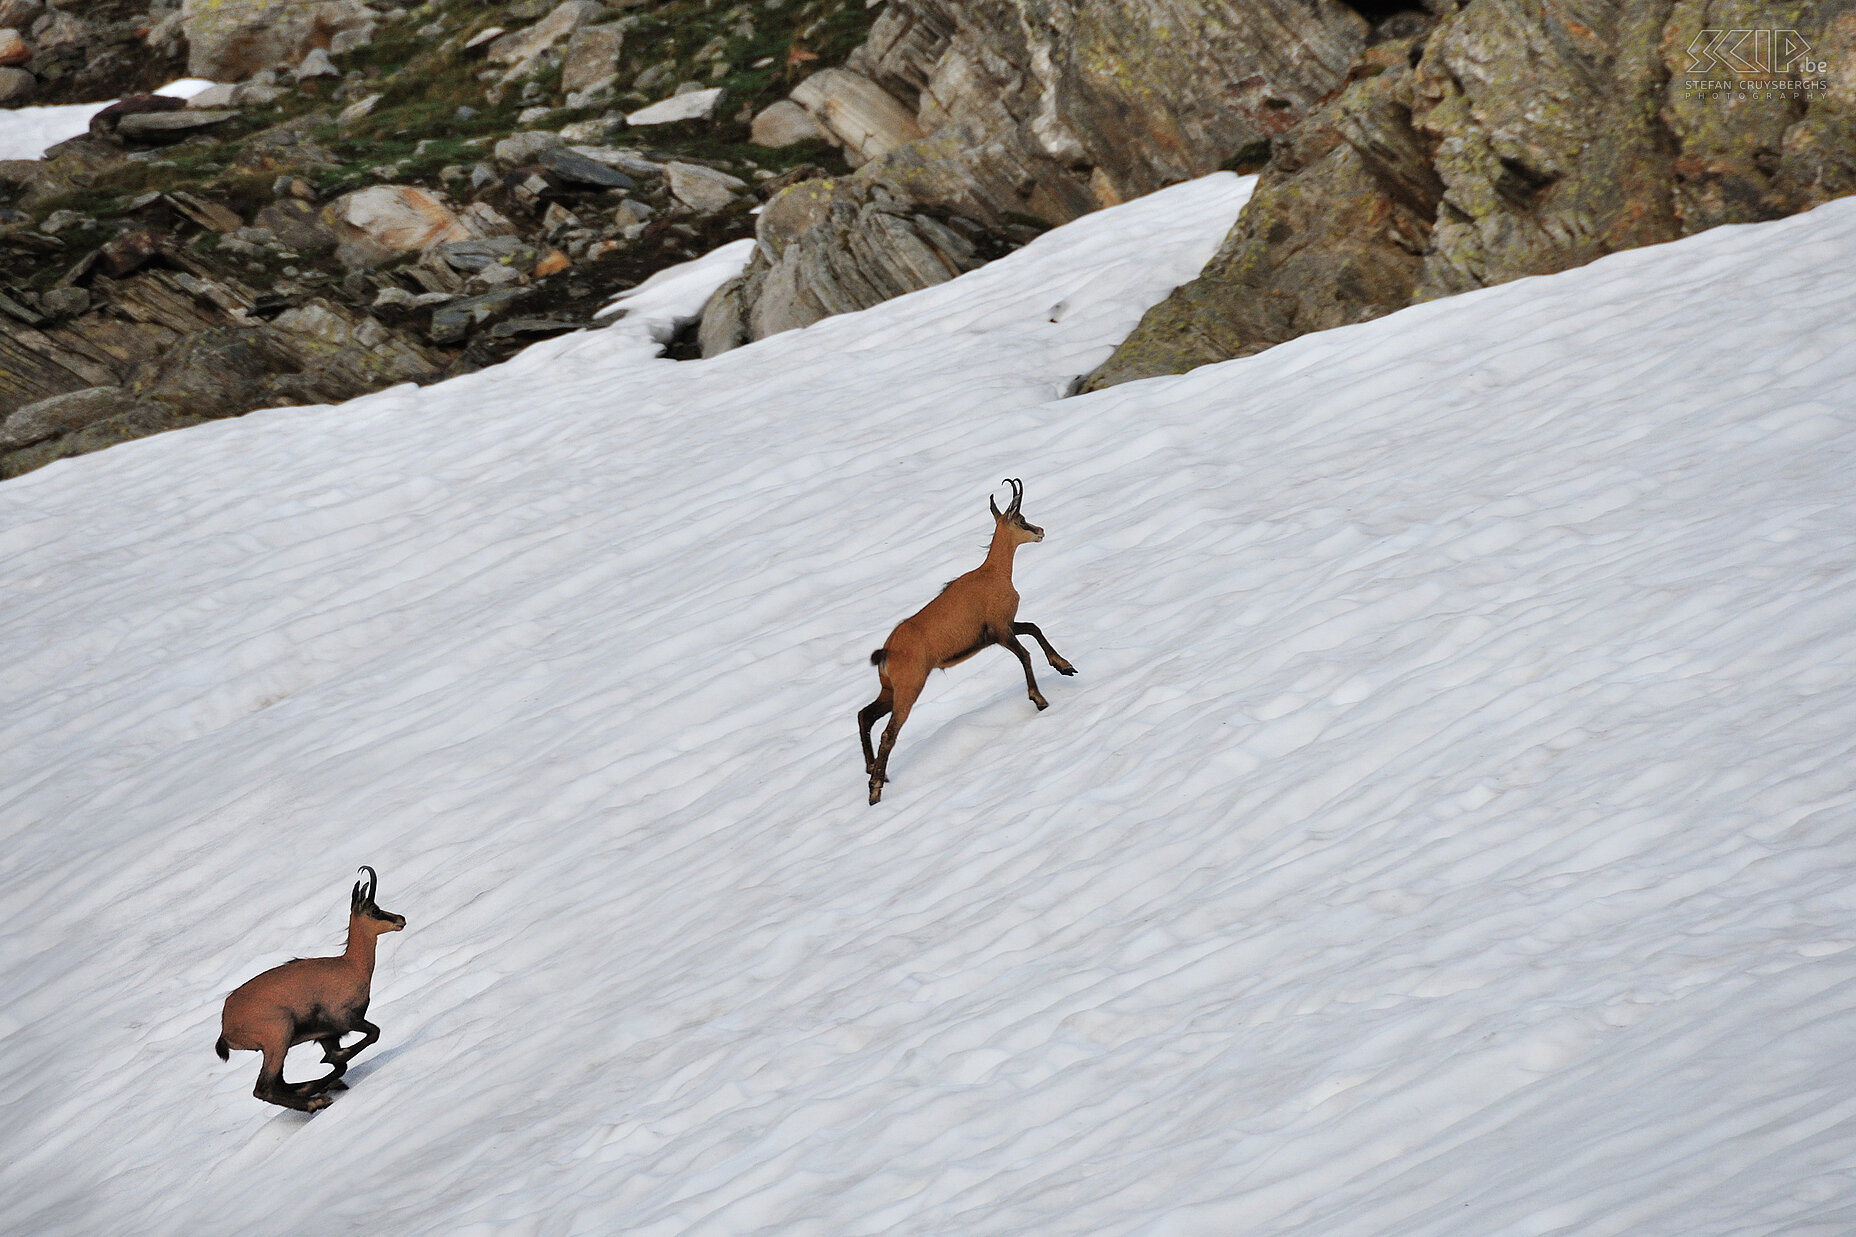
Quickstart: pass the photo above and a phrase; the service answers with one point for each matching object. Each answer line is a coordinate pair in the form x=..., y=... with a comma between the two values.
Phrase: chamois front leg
x=332, y=1049
x=1056, y=660
x=1024, y=659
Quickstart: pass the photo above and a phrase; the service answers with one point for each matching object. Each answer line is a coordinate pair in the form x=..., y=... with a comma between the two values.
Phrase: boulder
x=218, y=95
x=592, y=57
x=522, y=148
x=14, y=50
x=830, y=247
x=856, y=113
x=316, y=64
x=358, y=109
x=783, y=123
x=691, y=105
x=577, y=169
x=163, y=127
x=20, y=14
x=64, y=414
x=519, y=48
x=704, y=190
x=230, y=42
x=56, y=28
x=16, y=87
x=376, y=224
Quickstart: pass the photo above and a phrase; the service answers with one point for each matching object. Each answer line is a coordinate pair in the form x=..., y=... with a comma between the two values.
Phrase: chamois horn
x=1018, y=496
x=366, y=895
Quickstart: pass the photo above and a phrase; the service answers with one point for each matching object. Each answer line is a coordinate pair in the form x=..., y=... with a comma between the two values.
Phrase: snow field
x=1448, y=832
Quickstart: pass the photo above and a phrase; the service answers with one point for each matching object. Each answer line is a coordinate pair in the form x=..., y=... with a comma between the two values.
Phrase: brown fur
x=977, y=610
x=306, y=999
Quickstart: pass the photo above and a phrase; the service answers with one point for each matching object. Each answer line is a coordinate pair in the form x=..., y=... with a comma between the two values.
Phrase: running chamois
x=972, y=612
x=306, y=999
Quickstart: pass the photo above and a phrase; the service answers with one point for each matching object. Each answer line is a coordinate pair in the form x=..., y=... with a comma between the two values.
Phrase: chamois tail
x=879, y=657
x=223, y=1049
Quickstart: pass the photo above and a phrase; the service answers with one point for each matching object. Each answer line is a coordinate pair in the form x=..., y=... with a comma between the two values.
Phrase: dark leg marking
x=1056, y=659
x=867, y=717
x=1024, y=659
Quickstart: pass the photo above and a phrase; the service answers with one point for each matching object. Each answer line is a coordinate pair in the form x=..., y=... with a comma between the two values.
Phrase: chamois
x=976, y=610
x=310, y=998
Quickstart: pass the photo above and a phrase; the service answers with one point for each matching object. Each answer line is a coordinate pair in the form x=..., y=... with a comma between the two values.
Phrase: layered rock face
x=229, y=40
x=1524, y=138
x=1029, y=113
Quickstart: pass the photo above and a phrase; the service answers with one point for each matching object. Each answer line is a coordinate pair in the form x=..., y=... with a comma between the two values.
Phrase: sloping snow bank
x=1449, y=831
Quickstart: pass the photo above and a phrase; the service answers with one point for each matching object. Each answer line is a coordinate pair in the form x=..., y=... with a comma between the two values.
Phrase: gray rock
x=784, y=123
x=523, y=148
x=20, y=14
x=474, y=255
x=316, y=64
x=577, y=169
x=856, y=114
x=696, y=104
x=219, y=95
x=231, y=42
x=65, y=302
x=702, y=189
x=16, y=86
x=158, y=125
x=520, y=48
x=625, y=160
x=352, y=39
x=63, y=414
x=453, y=321
x=592, y=57
x=830, y=247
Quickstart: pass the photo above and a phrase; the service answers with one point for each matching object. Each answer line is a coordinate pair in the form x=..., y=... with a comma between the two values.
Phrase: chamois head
x=361, y=903
x=1010, y=521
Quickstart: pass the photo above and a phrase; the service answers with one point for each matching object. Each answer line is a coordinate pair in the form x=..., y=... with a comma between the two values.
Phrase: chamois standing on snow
x=311, y=998
x=972, y=612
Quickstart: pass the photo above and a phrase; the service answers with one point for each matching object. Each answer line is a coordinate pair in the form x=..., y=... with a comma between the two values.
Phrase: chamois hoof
x=1040, y=702
x=316, y=1103
x=1065, y=669
x=338, y=1085
x=876, y=790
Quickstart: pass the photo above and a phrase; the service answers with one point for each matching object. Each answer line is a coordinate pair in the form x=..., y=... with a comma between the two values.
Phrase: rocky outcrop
x=71, y=53
x=164, y=348
x=1036, y=112
x=1528, y=138
x=1336, y=233
x=831, y=246
x=230, y=40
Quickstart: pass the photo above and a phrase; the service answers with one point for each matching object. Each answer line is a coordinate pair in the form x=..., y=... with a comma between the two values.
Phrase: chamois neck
x=362, y=939
x=999, y=554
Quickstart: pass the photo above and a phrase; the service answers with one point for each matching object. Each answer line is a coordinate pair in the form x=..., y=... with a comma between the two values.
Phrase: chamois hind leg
x=867, y=717
x=272, y=1088
x=1056, y=659
x=904, y=689
x=1024, y=659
